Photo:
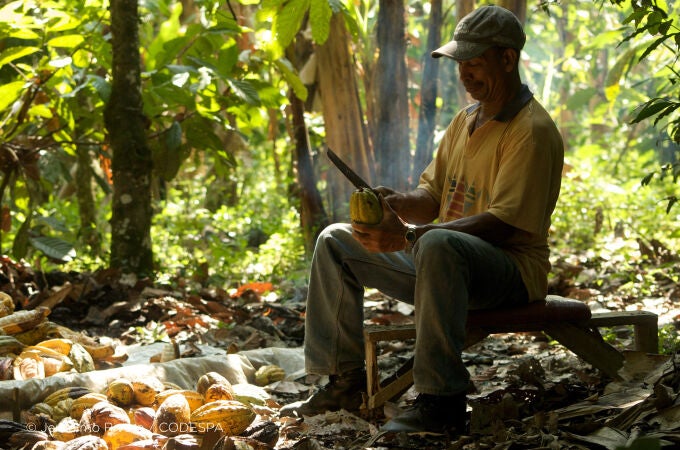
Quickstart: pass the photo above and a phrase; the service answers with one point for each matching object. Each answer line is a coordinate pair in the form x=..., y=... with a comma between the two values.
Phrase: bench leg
x=588, y=344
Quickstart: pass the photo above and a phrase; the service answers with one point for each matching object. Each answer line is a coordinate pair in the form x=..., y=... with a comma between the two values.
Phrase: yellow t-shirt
x=510, y=167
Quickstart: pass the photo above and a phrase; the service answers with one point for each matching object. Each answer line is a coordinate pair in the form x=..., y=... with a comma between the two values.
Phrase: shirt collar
x=512, y=108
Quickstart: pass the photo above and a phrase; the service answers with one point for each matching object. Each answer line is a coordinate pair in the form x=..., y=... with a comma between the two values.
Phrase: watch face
x=411, y=235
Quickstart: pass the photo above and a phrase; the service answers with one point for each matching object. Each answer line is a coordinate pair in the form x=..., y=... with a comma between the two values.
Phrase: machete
x=347, y=171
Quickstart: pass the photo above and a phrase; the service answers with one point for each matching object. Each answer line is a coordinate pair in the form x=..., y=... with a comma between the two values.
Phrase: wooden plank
x=612, y=318
x=588, y=345
x=391, y=390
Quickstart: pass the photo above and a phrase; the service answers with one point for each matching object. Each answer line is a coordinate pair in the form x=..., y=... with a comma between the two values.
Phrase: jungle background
x=180, y=144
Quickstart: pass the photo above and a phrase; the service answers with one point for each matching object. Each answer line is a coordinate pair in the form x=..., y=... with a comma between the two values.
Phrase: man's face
x=486, y=77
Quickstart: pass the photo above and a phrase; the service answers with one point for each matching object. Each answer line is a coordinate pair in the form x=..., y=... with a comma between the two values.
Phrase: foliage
x=215, y=81
x=656, y=26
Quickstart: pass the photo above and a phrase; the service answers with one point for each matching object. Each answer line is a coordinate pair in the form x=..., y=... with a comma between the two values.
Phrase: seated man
x=492, y=186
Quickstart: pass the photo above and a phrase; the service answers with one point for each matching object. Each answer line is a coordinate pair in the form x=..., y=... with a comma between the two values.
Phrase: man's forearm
x=417, y=206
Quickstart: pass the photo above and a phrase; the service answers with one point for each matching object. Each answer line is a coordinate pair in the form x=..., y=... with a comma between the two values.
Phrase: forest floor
x=530, y=393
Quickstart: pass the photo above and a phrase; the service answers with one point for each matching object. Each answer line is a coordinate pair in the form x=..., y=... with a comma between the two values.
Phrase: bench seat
x=568, y=321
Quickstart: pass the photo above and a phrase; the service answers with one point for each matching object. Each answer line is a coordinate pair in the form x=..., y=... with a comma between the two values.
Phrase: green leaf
x=288, y=21
x=292, y=79
x=54, y=248
x=320, y=14
x=9, y=93
x=580, y=98
x=14, y=53
x=20, y=244
x=651, y=108
x=245, y=91
x=66, y=41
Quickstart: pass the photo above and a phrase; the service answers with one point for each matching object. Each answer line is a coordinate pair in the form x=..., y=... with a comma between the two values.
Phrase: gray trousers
x=445, y=275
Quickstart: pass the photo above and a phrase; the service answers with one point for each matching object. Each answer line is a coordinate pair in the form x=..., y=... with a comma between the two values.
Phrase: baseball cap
x=485, y=27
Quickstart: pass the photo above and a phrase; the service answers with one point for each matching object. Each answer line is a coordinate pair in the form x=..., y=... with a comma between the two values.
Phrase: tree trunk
x=131, y=161
x=313, y=217
x=86, y=205
x=343, y=116
x=519, y=7
x=428, y=95
x=391, y=146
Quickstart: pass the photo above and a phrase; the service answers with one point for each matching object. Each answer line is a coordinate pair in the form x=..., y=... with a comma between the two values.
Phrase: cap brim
x=460, y=50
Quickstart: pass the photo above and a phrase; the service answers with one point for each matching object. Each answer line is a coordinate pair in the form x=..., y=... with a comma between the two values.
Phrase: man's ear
x=510, y=59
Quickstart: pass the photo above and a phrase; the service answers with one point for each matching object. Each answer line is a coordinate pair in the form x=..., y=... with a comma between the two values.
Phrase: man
x=472, y=235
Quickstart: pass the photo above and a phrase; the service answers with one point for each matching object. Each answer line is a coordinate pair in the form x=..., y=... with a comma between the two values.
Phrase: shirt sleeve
x=528, y=179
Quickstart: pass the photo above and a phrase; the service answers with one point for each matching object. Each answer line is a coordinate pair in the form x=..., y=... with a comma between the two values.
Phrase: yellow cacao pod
x=145, y=390
x=208, y=379
x=193, y=397
x=268, y=374
x=228, y=417
x=173, y=416
x=67, y=429
x=219, y=391
x=125, y=433
x=120, y=392
x=365, y=207
x=80, y=404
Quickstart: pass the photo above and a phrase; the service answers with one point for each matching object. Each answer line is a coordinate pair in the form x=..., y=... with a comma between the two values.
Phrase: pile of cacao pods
x=145, y=414
x=33, y=347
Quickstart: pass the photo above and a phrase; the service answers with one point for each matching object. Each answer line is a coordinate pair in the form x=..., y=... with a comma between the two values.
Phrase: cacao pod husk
x=365, y=207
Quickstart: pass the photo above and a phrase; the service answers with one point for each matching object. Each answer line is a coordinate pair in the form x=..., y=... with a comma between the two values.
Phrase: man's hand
x=387, y=236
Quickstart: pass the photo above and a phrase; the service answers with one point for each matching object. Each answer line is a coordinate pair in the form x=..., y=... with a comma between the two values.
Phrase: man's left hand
x=387, y=236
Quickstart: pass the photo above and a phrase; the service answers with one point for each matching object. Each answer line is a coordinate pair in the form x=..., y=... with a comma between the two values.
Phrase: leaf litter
x=528, y=392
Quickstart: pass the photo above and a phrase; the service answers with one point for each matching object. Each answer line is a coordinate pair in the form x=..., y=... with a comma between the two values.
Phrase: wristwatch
x=410, y=236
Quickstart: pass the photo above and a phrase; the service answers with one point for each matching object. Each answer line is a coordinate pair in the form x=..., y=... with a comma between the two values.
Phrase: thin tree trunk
x=343, y=116
x=313, y=216
x=86, y=205
x=131, y=162
x=428, y=95
x=392, y=147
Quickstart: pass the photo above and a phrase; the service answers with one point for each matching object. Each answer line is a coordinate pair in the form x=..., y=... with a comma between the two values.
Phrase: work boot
x=343, y=391
x=433, y=413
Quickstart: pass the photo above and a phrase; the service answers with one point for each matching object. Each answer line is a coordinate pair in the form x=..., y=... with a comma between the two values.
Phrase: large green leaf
x=54, y=248
x=66, y=41
x=9, y=93
x=288, y=21
x=292, y=79
x=320, y=14
x=244, y=90
x=14, y=53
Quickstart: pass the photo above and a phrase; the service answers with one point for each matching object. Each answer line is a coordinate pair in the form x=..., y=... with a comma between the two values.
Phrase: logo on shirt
x=462, y=199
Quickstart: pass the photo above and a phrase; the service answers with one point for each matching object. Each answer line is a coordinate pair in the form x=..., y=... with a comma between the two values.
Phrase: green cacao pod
x=365, y=207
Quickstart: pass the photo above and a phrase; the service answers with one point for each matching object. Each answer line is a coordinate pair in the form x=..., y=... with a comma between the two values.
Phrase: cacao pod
x=268, y=374
x=88, y=442
x=145, y=390
x=208, y=379
x=66, y=430
x=101, y=417
x=173, y=416
x=365, y=207
x=229, y=417
x=219, y=391
x=125, y=433
x=86, y=401
x=193, y=397
x=120, y=392
x=144, y=416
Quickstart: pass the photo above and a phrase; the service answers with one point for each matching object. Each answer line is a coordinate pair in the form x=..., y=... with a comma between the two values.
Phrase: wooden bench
x=567, y=321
